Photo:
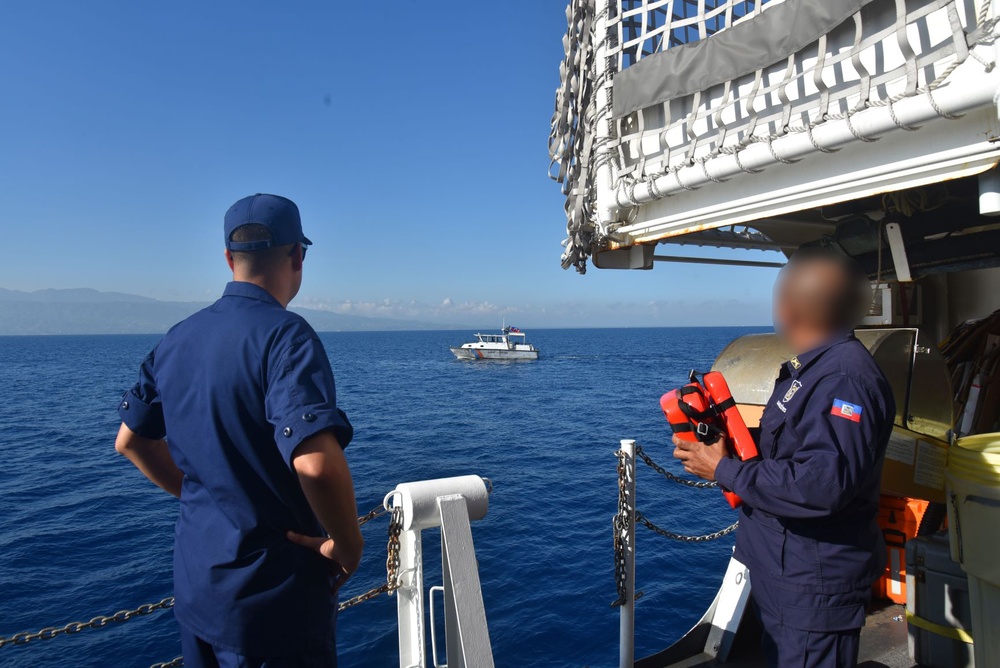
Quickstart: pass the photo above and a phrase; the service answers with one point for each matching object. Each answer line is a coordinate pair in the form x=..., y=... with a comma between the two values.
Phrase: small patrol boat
x=510, y=344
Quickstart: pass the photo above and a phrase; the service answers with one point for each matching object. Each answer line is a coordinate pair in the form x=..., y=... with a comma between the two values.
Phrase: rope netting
x=572, y=138
x=651, y=26
x=889, y=51
x=680, y=136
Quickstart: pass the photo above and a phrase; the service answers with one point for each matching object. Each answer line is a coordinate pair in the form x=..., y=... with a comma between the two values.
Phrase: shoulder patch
x=795, y=386
x=846, y=409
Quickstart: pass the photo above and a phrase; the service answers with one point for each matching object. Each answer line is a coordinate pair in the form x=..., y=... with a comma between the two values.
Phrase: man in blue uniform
x=808, y=531
x=235, y=413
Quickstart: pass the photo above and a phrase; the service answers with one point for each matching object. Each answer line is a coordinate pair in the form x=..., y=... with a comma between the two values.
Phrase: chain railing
x=98, y=622
x=391, y=583
x=697, y=484
x=377, y=511
x=392, y=550
x=622, y=523
x=101, y=621
x=704, y=538
x=628, y=513
x=625, y=521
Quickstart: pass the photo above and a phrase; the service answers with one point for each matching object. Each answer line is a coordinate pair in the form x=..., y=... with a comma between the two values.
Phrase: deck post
x=410, y=601
x=467, y=636
x=448, y=503
x=626, y=652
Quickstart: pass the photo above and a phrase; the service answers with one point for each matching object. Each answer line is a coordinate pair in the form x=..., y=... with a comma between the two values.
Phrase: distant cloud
x=447, y=311
x=655, y=313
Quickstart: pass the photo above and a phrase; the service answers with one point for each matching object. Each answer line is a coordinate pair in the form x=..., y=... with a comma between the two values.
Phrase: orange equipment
x=899, y=519
x=703, y=411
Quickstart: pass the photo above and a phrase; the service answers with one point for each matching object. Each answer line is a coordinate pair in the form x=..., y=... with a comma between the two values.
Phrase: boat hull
x=493, y=354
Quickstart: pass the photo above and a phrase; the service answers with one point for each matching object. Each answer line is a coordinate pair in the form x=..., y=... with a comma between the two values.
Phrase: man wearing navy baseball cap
x=278, y=215
x=235, y=412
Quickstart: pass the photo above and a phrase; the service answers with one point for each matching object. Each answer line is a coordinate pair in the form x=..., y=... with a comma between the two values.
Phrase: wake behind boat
x=510, y=344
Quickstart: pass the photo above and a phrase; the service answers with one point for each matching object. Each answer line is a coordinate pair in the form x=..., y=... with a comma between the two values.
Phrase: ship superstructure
x=767, y=125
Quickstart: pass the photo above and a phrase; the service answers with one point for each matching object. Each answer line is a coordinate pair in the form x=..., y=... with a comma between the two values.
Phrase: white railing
x=448, y=503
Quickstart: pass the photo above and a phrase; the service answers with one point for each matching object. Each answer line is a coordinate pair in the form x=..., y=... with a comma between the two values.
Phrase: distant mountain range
x=86, y=311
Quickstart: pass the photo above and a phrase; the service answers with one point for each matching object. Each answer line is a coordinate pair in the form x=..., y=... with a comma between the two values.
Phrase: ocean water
x=83, y=533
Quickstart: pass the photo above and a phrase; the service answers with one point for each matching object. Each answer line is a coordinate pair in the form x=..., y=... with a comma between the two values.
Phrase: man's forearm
x=337, y=512
x=786, y=489
x=152, y=458
x=326, y=482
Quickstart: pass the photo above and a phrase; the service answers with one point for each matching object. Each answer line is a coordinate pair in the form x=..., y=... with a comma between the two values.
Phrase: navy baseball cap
x=276, y=213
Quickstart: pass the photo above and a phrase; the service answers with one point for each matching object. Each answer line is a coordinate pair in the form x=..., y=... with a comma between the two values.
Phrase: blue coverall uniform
x=808, y=530
x=234, y=389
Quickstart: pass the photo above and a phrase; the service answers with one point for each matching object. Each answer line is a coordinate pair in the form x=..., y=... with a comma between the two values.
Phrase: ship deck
x=883, y=645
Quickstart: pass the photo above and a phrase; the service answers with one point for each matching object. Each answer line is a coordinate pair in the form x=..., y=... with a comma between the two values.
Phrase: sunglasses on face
x=303, y=247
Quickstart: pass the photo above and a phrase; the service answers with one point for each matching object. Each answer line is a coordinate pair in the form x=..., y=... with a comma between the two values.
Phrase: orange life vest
x=703, y=411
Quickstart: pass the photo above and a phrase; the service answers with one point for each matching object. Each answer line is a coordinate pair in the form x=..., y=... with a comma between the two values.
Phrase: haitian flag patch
x=846, y=409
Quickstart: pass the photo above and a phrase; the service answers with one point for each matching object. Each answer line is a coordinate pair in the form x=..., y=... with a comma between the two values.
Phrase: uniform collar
x=250, y=291
x=799, y=363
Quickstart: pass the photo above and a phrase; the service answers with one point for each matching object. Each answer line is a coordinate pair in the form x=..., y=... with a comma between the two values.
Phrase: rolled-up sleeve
x=301, y=397
x=834, y=453
x=140, y=408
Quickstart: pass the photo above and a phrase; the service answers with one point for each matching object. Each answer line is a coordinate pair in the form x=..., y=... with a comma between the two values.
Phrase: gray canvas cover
x=746, y=47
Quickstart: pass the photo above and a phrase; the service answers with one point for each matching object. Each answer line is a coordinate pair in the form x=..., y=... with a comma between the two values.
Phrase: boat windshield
x=499, y=338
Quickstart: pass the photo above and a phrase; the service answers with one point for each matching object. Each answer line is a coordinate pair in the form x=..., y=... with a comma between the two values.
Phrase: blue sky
x=411, y=134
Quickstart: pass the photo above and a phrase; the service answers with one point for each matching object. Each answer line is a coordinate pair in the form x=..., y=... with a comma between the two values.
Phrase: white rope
x=652, y=26
x=683, y=136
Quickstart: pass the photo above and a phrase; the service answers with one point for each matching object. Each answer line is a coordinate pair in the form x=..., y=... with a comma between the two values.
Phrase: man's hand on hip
x=700, y=459
x=342, y=565
x=326, y=481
